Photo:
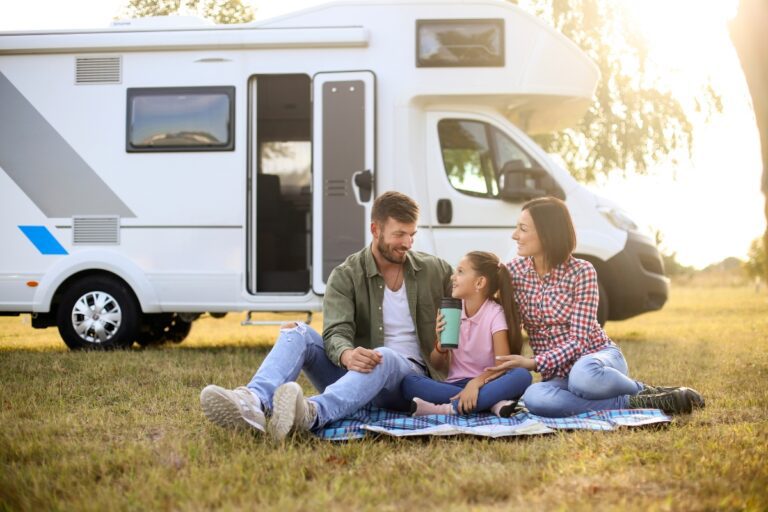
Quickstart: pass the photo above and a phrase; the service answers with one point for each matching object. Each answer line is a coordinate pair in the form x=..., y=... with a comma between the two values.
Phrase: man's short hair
x=396, y=206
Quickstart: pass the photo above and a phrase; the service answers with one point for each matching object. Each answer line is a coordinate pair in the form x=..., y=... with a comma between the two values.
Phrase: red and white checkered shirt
x=559, y=313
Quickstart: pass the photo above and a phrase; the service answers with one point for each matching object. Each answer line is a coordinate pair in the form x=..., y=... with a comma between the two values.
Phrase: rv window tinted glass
x=181, y=119
x=467, y=157
x=460, y=43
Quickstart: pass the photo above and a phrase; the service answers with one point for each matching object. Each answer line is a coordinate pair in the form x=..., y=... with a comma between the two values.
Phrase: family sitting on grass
x=380, y=343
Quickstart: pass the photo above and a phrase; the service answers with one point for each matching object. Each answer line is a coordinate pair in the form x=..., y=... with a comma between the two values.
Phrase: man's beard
x=388, y=253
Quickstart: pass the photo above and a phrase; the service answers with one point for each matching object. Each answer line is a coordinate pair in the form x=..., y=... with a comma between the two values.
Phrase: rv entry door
x=343, y=168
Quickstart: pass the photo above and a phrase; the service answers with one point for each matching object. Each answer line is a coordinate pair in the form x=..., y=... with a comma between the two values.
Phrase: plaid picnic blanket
x=382, y=421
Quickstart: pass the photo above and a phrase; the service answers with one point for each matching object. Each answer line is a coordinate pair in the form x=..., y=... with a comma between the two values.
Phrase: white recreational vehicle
x=166, y=167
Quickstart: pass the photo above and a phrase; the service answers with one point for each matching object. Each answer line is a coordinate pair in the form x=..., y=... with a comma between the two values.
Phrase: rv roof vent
x=95, y=230
x=98, y=70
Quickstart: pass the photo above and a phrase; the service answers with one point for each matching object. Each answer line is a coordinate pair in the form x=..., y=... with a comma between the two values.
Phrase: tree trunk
x=748, y=35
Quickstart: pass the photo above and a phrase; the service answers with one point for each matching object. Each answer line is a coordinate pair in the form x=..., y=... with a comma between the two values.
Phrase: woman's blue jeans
x=509, y=386
x=597, y=382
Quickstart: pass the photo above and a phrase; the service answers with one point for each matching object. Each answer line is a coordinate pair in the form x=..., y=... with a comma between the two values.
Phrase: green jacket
x=354, y=294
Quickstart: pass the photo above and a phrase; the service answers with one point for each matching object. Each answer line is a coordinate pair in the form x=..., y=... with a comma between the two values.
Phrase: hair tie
x=501, y=265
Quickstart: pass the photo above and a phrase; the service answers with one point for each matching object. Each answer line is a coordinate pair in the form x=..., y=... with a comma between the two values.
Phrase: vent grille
x=336, y=188
x=98, y=70
x=95, y=230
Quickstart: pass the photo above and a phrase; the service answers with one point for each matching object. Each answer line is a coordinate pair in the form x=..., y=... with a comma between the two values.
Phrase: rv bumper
x=635, y=280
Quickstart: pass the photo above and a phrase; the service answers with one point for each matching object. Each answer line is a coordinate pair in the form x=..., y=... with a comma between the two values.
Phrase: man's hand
x=360, y=359
x=467, y=397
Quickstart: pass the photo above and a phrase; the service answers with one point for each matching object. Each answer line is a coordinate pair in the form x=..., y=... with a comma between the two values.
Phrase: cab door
x=465, y=155
x=343, y=168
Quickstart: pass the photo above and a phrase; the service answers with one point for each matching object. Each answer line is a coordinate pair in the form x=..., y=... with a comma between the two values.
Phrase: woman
x=581, y=368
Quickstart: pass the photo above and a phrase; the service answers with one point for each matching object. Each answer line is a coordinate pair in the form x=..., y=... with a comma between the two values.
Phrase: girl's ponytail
x=506, y=298
x=500, y=289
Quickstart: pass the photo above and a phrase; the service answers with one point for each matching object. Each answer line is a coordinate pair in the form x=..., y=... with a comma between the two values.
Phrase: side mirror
x=518, y=183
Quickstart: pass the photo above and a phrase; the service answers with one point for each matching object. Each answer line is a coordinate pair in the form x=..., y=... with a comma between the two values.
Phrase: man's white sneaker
x=290, y=411
x=233, y=408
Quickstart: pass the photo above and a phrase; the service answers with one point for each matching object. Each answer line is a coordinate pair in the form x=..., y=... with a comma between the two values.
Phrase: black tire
x=158, y=329
x=602, y=304
x=114, y=325
x=179, y=331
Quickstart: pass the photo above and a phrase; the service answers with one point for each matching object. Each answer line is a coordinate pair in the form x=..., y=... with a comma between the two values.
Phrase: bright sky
x=713, y=209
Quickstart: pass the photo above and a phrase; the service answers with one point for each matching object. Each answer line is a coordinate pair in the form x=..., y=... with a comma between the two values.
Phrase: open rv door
x=343, y=168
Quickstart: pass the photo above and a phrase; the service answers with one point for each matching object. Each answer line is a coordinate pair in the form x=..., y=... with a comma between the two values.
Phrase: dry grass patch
x=124, y=431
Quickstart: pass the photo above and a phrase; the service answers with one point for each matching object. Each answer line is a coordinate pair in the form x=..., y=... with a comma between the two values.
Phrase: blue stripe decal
x=43, y=240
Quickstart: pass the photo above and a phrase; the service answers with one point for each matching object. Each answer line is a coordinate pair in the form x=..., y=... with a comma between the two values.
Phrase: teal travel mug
x=451, y=310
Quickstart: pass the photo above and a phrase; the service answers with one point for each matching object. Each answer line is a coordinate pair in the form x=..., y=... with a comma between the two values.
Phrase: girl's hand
x=439, y=324
x=513, y=361
x=440, y=327
x=467, y=397
x=439, y=349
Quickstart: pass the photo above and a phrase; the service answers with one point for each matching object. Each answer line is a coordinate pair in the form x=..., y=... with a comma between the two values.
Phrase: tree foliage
x=634, y=123
x=757, y=262
x=748, y=36
x=672, y=267
x=219, y=11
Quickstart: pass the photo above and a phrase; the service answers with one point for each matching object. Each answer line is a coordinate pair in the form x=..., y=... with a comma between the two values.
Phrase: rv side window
x=474, y=153
x=181, y=119
x=460, y=43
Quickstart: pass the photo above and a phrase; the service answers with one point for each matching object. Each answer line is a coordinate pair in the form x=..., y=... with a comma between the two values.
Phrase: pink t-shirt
x=475, y=352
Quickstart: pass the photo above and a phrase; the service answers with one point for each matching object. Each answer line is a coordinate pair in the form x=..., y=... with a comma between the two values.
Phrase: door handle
x=364, y=182
x=444, y=211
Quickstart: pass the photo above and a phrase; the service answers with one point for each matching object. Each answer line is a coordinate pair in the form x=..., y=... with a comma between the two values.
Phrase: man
x=379, y=326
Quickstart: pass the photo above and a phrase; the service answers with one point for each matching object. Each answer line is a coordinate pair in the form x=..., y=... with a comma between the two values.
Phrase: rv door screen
x=343, y=165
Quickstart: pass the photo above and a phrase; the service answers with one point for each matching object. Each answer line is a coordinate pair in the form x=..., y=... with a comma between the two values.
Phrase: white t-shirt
x=399, y=331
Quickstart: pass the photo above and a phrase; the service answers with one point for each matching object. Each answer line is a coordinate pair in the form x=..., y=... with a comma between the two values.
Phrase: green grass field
x=124, y=430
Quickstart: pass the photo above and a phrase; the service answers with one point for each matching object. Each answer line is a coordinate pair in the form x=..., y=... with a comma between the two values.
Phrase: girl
x=581, y=368
x=489, y=328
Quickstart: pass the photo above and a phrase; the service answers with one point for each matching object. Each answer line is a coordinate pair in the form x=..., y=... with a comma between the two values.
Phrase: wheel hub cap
x=96, y=317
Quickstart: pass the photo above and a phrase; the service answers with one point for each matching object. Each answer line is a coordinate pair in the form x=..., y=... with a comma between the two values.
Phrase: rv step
x=248, y=321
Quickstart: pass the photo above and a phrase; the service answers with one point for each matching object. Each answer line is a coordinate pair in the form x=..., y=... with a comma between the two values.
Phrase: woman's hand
x=468, y=397
x=513, y=361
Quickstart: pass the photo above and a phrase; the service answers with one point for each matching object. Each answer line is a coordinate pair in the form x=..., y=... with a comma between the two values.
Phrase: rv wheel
x=157, y=329
x=98, y=312
x=179, y=331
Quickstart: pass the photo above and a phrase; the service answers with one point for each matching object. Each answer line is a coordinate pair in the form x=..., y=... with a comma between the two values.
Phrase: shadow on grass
x=136, y=349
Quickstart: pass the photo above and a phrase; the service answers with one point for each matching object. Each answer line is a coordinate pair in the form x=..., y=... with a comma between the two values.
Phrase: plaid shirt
x=559, y=312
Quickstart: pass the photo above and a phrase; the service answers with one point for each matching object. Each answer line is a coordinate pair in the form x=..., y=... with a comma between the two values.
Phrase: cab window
x=474, y=154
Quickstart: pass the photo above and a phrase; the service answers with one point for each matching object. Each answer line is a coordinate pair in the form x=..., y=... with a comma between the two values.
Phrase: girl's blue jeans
x=509, y=386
